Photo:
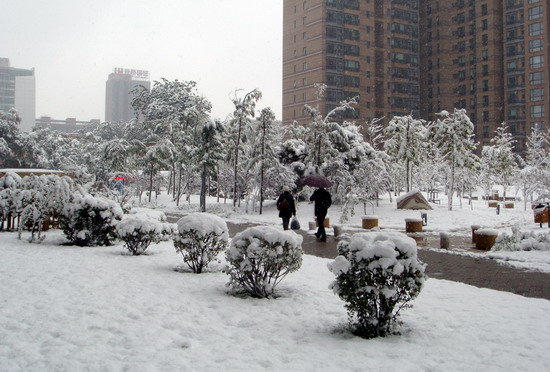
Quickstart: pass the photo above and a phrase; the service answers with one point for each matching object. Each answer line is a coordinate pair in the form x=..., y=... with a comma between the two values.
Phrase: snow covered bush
x=377, y=274
x=522, y=241
x=260, y=257
x=138, y=231
x=90, y=221
x=200, y=238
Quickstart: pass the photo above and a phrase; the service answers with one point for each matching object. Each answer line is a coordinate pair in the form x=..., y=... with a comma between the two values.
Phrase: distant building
x=70, y=125
x=17, y=90
x=118, y=97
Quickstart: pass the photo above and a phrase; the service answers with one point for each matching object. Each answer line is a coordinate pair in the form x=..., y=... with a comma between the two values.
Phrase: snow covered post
x=260, y=257
x=200, y=238
x=377, y=274
x=413, y=225
x=369, y=222
x=444, y=240
x=485, y=239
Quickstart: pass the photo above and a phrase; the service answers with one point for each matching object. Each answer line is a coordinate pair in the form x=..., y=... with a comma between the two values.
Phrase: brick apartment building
x=421, y=57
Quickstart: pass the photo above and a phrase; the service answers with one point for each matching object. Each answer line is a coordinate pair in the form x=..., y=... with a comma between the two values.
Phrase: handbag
x=294, y=224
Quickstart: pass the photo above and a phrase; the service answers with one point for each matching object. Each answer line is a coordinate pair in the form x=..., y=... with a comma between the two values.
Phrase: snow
x=204, y=224
x=70, y=308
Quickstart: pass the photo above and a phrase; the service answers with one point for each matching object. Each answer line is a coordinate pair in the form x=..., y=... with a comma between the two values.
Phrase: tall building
x=118, y=97
x=490, y=57
x=17, y=90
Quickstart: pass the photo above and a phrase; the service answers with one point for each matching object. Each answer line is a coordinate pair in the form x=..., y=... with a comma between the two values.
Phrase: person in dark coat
x=323, y=201
x=286, y=206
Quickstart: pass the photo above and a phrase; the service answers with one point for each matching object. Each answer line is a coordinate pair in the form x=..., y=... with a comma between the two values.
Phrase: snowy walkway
x=479, y=272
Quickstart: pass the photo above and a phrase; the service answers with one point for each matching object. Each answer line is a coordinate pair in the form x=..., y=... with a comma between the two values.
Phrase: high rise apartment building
x=118, y=97
x=17, y=90
x=406, y=56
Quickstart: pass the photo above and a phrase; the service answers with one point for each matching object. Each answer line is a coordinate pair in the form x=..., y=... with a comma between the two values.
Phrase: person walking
x=323, y=201
x=286, y=206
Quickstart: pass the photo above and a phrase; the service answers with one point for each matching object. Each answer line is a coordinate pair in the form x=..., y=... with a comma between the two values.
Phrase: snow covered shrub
x=522, y=241
x=138, y=231
x=200, y=238
x=377, y=274
x=260, y=257
x=90, y=221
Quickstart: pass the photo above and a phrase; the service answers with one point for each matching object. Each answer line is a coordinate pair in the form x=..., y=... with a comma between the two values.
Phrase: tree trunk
x=236, y=163
x=451, y=188
x=203, y=189
x=150, y=184
x=262, y=172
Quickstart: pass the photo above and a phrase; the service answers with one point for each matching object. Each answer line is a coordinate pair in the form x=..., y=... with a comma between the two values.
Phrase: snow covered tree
x=139, y=230
x=405, y=143
x=90, y=221
x=500, y=159
x=157, y=157
x=453, y=135
x=200, y=238
x=377, y=275
x=260, y=257
x=242, y=116
x=208, y=155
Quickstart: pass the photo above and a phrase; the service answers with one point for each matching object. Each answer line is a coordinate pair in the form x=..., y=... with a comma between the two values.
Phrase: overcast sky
x=74, y=44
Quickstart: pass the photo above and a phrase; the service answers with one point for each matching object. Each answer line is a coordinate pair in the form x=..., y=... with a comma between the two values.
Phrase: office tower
x=118, y=97
x=490, y=57
x=17, y=90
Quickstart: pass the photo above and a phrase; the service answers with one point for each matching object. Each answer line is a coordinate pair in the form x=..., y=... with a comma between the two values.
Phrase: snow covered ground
x=66, y=308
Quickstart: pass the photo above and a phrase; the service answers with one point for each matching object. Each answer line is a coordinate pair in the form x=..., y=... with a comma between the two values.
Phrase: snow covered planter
x=200, y=238
x=138, y=231
x=377, y=274
x=90, y=221
x=260, y=257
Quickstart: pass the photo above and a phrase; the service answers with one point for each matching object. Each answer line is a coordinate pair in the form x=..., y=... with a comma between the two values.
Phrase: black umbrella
x=316, y=180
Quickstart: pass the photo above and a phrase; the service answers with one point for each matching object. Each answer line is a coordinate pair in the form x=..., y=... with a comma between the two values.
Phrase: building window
x=535, y=12
x=485, y=115
x=485, y=54
x=535, y=29
x=536, y=78
x=533, y=1
x=485, y=85
x=486, y=131
x=351, y=65
x=537, y=111
x=535, y=45
x=536, y=61
x=304, y=66
x=537, y=94
x=484, y=9
x=304, y=35
x=484, y=24
x=304, y=51
x=305, y=5
x=485, y=70
x=485, y=101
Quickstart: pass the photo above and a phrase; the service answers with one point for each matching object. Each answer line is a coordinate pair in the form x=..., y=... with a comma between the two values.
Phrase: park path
x=476, y=271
